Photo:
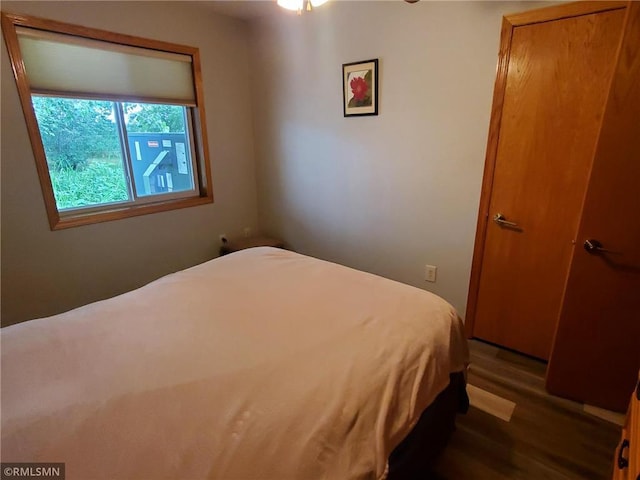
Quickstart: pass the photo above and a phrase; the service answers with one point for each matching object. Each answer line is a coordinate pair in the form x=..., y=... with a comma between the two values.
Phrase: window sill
x=58, y=222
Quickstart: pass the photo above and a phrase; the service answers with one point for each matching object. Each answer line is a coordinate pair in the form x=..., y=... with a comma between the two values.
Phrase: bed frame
x=416, y=454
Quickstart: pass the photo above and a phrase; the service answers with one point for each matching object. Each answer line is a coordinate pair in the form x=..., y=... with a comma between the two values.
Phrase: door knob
x=500, y=220
x=594, y=246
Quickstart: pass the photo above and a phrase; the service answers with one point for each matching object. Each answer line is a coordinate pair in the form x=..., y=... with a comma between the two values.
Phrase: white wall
x=388, y=193
x=45, y=272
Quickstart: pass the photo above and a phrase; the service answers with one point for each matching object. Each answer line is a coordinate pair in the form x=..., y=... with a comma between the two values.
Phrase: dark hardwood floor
x=546, y=438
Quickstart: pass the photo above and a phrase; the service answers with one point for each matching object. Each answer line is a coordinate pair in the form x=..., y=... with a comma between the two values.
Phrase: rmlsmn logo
x=25, y=471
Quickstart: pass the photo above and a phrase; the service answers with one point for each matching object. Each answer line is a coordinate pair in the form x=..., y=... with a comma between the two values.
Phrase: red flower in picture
x=359, y=88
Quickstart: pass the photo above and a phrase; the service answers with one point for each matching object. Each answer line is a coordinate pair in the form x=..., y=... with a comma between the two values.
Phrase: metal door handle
x=594, y=246
x=499, y=219
x=623, y=462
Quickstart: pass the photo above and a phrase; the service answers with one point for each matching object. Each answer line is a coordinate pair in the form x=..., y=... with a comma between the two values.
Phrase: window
x=116, y=122
x=101, y=153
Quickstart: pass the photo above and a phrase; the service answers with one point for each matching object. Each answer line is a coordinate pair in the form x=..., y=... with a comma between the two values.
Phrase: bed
x=262, y=364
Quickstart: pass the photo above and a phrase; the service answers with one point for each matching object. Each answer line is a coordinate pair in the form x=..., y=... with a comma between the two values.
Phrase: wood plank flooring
x=546, y=437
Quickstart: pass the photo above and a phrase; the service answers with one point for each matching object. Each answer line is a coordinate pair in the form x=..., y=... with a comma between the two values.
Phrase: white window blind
x=67, y=64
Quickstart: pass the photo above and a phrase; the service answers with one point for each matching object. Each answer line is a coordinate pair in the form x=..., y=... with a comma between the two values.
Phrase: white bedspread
x=263, y=364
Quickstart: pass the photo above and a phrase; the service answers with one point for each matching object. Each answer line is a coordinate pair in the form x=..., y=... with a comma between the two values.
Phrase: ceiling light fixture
x=298, y=5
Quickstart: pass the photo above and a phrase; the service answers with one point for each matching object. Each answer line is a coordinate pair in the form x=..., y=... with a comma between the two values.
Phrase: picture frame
x=360, y=88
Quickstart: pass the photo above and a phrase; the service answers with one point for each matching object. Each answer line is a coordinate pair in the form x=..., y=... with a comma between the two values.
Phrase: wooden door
x=553, y=78
x=596, y=354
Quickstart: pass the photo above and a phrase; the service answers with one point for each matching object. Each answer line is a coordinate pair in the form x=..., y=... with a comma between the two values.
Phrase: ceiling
x=244, y=9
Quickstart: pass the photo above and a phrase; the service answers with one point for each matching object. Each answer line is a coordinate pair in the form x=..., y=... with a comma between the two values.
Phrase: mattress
x=262, y=364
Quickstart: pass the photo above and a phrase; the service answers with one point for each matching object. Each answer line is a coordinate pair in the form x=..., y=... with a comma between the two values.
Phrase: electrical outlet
x=247, y=232
x=223, y=238
x=430, y=273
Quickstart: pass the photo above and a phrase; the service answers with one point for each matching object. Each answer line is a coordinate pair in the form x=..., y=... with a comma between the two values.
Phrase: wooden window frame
x=202, y=173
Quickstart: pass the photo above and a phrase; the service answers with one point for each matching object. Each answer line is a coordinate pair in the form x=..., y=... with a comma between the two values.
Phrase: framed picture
x=360, y=88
